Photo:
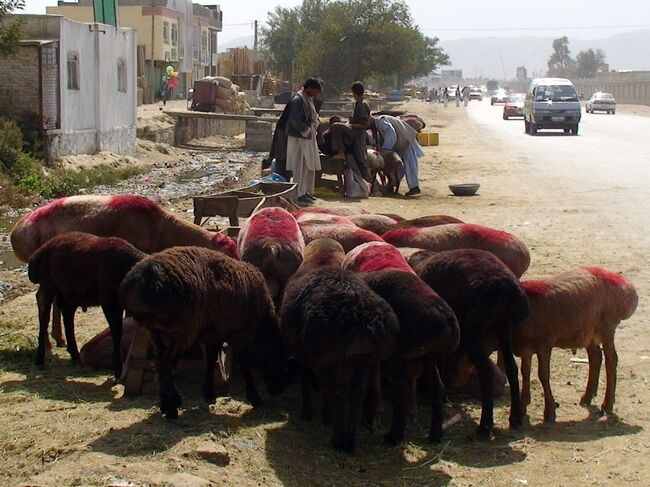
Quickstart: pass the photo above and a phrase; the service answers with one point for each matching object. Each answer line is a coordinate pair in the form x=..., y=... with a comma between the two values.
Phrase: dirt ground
x=66, y=425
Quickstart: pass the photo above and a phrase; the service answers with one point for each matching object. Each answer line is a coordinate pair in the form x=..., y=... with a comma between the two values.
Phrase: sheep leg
x=211, y=354
x=595, y=361
x=67, y=312
x=251, y=391
x=525, y=381
x=170, y=400
x=336, y=385
x=481, y=362
x=44, y=299
x=437, y=395
x=611, y=363
x=372, y=401
x=113, y=314
x=400, y=400
x=512, y=373
x=356, y=392
x=57, y=333
x=544, y=374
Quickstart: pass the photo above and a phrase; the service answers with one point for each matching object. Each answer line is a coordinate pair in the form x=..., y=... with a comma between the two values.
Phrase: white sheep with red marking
x=577, y=309
x=508, y=248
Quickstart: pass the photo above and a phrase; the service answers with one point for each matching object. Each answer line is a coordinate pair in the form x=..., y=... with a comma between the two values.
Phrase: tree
x=345, y=40
x=560, y=64
x=10, y=31
x=590, y=62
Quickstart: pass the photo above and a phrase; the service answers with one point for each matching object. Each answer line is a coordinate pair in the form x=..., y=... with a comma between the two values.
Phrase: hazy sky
x=469, y=18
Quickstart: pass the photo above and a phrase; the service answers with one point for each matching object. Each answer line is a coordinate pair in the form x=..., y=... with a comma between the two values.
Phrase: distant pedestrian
x=445, y=96
x=465, y=95
x=303, y=159
x=457, y=97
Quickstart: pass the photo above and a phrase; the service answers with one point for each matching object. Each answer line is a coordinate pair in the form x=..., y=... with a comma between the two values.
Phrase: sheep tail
x=34, y=266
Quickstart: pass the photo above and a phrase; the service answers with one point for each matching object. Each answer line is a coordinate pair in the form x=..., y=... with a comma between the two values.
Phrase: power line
x=580, y=27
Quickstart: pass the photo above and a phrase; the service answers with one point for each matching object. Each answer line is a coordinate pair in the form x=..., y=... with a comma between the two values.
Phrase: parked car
x=395, y=95
x=475, y=93
x=499, y=96
x=552, y=103
x=451, y=92
x=601, y=102
x=514, y=105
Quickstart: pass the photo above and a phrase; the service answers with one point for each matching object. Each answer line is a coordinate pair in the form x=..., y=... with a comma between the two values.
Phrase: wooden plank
x=133, y=375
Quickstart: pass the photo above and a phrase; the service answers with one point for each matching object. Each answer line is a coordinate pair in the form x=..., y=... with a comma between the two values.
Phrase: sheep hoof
x=435, y=437
x=172, y=414
x=607, y=408
x=515, y=422
x=585, y=401
x=256, y=402
x=549, y=417
x=483, y=431
x=60, y=342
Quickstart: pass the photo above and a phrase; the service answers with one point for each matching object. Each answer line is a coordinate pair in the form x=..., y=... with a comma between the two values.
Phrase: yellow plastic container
x=427, y=139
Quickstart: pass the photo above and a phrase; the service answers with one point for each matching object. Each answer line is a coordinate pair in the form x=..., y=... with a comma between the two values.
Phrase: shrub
x=11, y=143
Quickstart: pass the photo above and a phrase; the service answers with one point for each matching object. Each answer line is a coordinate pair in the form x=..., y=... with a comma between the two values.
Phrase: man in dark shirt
x=353, y=136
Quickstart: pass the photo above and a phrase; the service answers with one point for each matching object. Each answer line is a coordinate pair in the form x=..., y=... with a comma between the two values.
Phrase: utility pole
x=255, y=44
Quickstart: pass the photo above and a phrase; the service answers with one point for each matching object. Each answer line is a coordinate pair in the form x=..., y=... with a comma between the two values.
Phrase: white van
x=552, y=103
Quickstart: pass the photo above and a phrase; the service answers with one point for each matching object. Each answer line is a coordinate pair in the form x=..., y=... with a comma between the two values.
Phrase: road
x=611, y=152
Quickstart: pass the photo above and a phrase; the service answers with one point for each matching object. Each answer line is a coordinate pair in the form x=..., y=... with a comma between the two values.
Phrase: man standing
x=303, y=159
x=354, y=134
x=457, y=95
x=465, y=95
x=445, y=96
x=398, y=136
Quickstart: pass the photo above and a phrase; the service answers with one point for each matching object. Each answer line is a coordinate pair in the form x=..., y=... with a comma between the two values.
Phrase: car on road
x=552, y=103
x=498, y=96
x=475, y=93
x=601, y=102
x=395, y=95
x=514, y=105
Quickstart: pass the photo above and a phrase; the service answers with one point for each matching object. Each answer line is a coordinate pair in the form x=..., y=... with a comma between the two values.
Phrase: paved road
x=611, y=152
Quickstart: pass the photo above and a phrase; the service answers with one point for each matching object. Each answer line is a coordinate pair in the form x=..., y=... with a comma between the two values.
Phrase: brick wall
x=19, y=90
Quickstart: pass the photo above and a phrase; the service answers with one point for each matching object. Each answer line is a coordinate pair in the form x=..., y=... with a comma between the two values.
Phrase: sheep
x=271, y=240
x=77, y=269
x=348, y=236
x=322, y=253
x=188, y=295
x=323, y=219
x=136, y=219
x=512, y=251
x=341, y=330
x=488, y=301
x=335, y=210
x=577, y=309
x=428, y=331
x=97, y=353
x=378, y=224
x=427, y=221
x=386, y=164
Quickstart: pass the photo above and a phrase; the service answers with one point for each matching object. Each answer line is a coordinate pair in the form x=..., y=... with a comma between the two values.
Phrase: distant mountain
x=498, y=57
x=247, y=41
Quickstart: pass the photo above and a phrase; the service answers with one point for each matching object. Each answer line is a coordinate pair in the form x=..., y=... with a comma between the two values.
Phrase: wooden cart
x=243, y=202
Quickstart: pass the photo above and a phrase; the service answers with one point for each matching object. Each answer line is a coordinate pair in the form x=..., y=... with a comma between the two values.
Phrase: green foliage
x=345, y=40
x=10, y=32
x=589, y=63
x=11, y=143
x=561, y=64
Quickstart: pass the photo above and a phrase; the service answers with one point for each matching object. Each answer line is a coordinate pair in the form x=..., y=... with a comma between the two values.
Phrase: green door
x=105, y=11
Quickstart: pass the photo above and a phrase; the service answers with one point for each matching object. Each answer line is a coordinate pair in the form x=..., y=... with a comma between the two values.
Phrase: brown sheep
x=188, y=295
x=335, y=210
x=428, y=221
x=323, y=219
x=386, y=164
x=512, y=251
x=271, y=240
x=378, y=224
x=576, y=309
x=136, y=219
x=322, y=253
x=79, y=270
x=348, y=236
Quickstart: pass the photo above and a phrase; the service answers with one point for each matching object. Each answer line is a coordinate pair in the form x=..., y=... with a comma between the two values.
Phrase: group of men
x=298, y=142
x=456, y=93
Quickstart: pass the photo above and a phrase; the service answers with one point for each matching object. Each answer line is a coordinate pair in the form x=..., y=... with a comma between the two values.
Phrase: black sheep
x=77, y=269
x=188, y=295
x=339, y=328
x=488, y=301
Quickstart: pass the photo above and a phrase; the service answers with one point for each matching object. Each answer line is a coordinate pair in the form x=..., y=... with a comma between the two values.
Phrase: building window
x=174, y=35
x=165, y=32
x=73, y=71
x=121, y=76
x=49, y=56
x=204, y=40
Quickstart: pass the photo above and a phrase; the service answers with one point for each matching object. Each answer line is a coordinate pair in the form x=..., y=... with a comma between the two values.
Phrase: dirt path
x=68, y=426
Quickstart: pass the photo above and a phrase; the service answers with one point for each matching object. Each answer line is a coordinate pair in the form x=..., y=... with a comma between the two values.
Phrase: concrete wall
x=193, y=127
x=633, y=92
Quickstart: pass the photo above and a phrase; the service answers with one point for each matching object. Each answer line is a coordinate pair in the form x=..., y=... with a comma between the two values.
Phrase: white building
x=85, y=97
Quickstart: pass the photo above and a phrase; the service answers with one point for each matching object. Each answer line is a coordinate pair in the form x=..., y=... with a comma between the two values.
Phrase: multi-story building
x=170, y=32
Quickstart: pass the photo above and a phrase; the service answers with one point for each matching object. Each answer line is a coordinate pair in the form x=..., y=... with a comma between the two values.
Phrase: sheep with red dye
x=488, y=301
x=576, y=309
x=335, y=326
x=378, y=224
x=348, y=236
x=323, y=219
x=511, y=250
x=271, y=240
x=427, y=221
x=136, y=219
x=428, y=331
x=193, y=295
x=80, y=270
x=322, y=253
x=335, y=210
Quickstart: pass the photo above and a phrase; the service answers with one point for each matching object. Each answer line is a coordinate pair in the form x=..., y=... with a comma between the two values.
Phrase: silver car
x=601, y=102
